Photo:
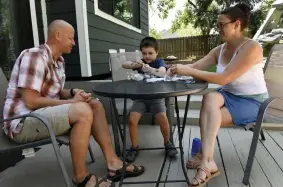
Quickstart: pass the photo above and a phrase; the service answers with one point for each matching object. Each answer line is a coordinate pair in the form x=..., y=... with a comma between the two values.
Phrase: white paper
x=28, y=152
x=171, y=79
x=177, y=78
x=136, y=77
x=152, y=80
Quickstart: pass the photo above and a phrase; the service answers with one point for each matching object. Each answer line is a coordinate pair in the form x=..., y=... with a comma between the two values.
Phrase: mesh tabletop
x=143, y=90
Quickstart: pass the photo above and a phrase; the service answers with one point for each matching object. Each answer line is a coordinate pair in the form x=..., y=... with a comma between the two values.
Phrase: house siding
x=66, y=10
x=105, y=35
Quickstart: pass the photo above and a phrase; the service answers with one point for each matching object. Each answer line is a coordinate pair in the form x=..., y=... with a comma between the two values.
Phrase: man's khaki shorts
x=34, y=130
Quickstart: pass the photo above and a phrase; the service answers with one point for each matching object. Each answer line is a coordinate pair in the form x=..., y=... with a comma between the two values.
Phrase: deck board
x=234, y=169
x=277, y=137
x=149, y=136
x=220, y=181
x=175, y=171
x=234, y=147
x=242, y=145
x=274, y=150
x=268, y=165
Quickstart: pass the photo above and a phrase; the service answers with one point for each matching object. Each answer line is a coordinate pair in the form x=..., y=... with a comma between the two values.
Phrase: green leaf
x=203, y=13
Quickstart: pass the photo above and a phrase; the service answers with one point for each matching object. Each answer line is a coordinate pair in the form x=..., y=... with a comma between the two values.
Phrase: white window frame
x=111, y=18
x=44, y=18
x=83, y=38
x=34, y=23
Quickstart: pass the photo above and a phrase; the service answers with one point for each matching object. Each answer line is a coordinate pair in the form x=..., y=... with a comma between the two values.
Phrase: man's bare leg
x=81, y=119
x=101, y=133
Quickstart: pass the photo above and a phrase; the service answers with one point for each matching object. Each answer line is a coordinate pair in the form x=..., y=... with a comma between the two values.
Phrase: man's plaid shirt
x=34, y=69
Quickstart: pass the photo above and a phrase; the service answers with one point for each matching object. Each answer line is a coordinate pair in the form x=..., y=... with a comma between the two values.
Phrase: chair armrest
x=53, y=140
x=264, y=107
x=37, y=116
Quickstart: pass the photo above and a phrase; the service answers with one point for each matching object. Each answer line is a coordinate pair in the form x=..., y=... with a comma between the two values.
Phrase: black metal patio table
x=130, y=89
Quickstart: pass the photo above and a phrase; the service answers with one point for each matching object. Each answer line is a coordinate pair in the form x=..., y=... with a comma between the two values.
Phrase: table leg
x=185, y=116
x=115, y=126
x=124, y=141
x=168, y=113
x=181, y=141
x=117, y=119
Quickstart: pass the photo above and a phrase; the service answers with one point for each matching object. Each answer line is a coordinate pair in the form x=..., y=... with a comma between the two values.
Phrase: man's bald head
x=58, y=25
x=61, y=34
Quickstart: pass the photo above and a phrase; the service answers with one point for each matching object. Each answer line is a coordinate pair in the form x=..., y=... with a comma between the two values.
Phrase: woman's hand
x=180, y=69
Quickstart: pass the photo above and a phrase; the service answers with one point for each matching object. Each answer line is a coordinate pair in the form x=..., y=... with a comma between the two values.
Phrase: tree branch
x=191, y=3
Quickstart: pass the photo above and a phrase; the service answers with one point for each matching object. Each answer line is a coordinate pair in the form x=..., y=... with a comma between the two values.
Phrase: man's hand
x=78, y=96
x=82, y=96
x=87, y=97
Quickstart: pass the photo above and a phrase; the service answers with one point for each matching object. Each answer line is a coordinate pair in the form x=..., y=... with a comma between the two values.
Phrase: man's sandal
x=209, y=175
x=138, y=170
x=194, y=162
x=97, y=184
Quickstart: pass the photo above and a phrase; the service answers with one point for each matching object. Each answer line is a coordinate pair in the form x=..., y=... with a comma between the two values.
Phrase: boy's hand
x=137, y=65
x=140, y=62
x=147, y=69
x=169, y=73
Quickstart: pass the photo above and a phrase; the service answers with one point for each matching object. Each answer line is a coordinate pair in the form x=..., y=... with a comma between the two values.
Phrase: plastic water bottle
x=196, y=147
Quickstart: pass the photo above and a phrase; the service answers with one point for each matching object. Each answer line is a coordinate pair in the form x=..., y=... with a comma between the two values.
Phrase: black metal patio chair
x=6, y=145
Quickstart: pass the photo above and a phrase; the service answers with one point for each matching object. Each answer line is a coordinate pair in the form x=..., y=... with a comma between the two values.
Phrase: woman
x=239, y=71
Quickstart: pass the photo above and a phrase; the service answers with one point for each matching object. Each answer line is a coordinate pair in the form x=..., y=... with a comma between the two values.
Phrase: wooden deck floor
x=231, y=154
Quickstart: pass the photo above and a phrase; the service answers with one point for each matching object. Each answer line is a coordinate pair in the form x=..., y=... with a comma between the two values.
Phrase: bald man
x=36, y=86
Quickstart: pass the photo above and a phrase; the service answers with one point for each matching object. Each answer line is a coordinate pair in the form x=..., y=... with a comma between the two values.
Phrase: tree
x=154, y=33
x=189, y=30
x=163, y=6
x=203, y=13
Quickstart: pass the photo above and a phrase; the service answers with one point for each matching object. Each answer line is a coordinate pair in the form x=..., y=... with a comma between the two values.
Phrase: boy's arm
x=127, y=65
x=132, y=65
x=160, y=72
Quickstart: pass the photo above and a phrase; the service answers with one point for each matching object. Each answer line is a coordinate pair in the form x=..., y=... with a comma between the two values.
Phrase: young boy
x=153, y=65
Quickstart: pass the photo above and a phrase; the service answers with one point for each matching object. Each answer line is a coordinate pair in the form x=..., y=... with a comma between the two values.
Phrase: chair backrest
x=116, y=61
x=274, y=78
x=3, y=89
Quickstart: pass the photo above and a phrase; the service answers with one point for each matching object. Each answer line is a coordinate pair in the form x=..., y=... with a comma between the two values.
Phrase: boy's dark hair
x=149, y=42
x=241, y=11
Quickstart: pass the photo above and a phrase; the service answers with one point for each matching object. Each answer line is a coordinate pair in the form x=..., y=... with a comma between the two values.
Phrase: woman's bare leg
x=226, y=122
x=212, y=116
